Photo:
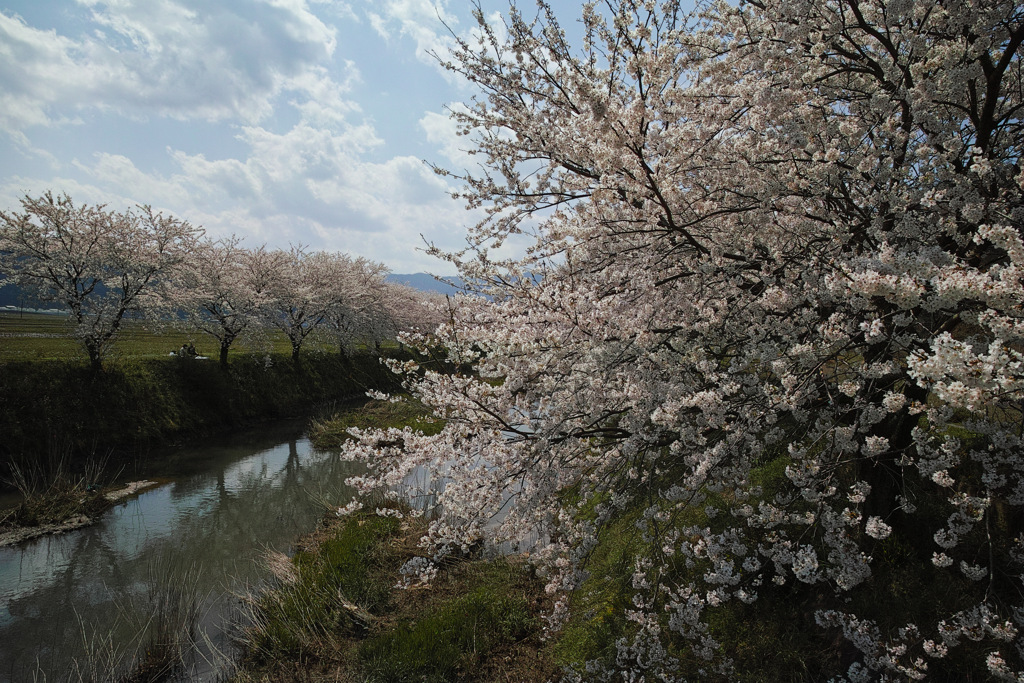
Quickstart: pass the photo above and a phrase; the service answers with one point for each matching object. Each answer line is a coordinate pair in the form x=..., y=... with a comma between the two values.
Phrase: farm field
x=33, y=336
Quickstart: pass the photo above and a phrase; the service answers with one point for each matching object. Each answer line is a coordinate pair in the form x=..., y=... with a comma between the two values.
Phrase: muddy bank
x=12, y=532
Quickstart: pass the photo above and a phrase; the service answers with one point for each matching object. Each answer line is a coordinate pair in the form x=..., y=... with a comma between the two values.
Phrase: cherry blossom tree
x=101, y=265
x=223, y=289
x=304, y=290
x=772, y=316
x=361, y=296
x=415, y=311
x=391, y=309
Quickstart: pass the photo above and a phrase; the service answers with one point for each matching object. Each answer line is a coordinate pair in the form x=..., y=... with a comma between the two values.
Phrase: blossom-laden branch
x=773, y=314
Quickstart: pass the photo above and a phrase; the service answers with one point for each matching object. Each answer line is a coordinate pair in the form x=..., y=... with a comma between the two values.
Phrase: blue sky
x=282, y=121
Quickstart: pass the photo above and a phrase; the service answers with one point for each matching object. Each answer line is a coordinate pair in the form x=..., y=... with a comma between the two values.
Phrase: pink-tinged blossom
x=777, y=272
x=876, y=528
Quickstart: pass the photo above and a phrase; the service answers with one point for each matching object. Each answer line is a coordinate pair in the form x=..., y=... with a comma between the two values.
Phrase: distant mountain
x=427, y=283
x=15, y=296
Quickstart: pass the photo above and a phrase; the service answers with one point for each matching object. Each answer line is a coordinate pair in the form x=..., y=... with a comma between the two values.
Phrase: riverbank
x=98, y=599
x=331, y=430
x=337, y=613
x=342, y=609
x=70, y=433
x=60, y=417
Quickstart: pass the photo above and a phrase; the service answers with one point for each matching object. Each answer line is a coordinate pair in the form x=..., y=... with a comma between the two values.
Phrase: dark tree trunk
x=95, y=356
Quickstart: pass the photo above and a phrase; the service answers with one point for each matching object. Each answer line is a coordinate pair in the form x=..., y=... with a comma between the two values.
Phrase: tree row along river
x=85, y=602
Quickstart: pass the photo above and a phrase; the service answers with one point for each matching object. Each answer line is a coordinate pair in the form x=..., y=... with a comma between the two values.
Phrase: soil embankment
x=56, y=414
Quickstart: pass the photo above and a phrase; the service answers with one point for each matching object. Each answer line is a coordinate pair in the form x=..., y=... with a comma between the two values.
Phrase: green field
x=45, y=336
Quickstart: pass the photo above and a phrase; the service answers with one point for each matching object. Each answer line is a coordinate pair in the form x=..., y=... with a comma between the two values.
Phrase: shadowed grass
x=136, y=405
x=52, y=492
x=334, y=588
x=164, y=617
x=489, y=608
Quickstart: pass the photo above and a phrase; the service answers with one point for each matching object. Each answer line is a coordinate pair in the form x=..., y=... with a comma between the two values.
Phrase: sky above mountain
x=282, y=121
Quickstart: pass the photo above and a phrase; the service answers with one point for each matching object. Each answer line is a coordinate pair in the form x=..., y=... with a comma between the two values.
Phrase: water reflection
x=95, y=589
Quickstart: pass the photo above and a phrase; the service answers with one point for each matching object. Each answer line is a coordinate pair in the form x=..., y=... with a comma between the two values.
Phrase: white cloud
x=307, y=185
x=35, y=69
x=431, y=26
x=24, y=146
x=217, y=181
x=379, y=25
x=324, y=104
x=115, y=173
x=442, y=132
x=275, y=148
x=86, y=191
x=185, y=59
x=424, y=22
x=341, y=10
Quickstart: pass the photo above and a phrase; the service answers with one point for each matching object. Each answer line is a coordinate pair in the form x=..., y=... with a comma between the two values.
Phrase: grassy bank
x=331, y=430
x=59, y=419
x=336, y=614
x=422, y=636
x=54, y=407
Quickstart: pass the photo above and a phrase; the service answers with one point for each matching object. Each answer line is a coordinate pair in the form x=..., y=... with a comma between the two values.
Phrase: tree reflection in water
x=93, y=595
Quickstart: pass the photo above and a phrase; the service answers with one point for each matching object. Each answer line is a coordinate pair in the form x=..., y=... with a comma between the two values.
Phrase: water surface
x=84, y=601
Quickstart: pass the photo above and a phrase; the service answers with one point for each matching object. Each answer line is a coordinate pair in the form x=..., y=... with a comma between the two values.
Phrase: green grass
x=36, y=336
x=597, y=607
x=466, y=626
x=355, y=565
x=451, y=641
x=43, y=336
x=332, y=431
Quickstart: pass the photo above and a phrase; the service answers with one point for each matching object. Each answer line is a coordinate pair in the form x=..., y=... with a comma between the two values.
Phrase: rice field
x=33, y=336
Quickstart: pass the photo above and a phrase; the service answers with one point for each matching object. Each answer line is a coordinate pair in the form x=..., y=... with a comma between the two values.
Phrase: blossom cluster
x=772, y=316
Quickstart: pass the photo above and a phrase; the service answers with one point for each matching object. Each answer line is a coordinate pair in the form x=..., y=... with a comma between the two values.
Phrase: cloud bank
x=277, y=134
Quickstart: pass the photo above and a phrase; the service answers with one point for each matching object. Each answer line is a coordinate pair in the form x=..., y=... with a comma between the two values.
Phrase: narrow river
x=83, y=603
